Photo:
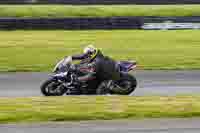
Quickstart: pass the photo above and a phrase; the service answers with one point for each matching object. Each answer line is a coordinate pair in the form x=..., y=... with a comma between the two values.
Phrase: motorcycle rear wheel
x=126, y=85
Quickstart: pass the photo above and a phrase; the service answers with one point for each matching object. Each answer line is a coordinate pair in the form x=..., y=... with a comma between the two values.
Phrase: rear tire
x=102, y=89
x=54, y=90
x=128, y=84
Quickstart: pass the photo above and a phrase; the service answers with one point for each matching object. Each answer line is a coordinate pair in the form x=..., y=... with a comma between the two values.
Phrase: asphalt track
x=149, y=83
x=124, y=126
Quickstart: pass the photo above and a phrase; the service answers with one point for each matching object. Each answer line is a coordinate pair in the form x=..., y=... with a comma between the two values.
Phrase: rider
x=101, y=67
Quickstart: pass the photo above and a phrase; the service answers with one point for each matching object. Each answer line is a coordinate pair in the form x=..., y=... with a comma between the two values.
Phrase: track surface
x=149, y=83
x=135, y=126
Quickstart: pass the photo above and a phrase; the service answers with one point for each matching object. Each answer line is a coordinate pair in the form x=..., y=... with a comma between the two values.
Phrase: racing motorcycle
x=62, y=81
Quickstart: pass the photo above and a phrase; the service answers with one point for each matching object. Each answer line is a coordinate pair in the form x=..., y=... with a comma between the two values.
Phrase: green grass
x=40, y=50
x=41, y=109
x=98, y=10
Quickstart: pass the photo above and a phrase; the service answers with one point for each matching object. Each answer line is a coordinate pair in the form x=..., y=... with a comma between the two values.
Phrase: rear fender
x=126, y=66
x=132, y=67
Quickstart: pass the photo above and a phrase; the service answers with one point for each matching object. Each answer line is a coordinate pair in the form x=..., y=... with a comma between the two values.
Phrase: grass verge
x=98, y=10
x=40, y=109
x=40, y=50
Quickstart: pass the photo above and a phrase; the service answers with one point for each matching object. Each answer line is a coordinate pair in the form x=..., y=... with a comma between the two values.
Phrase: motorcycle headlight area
x=61, y=74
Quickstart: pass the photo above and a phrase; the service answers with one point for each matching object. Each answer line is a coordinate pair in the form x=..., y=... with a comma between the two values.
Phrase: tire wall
x=97, y=23
x=78, y=2
x=71, y=23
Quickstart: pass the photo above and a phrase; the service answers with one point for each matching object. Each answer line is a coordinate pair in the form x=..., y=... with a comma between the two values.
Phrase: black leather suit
x=101, y=67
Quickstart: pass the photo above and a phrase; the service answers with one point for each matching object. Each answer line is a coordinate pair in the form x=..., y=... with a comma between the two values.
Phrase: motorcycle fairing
x=126, y=66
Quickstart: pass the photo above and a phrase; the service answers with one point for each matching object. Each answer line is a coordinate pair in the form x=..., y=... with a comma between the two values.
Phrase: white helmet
x=91, y=51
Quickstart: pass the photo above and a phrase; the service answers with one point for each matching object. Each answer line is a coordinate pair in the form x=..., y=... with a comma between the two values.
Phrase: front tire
x=52, y=88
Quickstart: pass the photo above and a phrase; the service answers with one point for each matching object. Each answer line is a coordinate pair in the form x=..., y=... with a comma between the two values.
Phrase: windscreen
x=63, y=63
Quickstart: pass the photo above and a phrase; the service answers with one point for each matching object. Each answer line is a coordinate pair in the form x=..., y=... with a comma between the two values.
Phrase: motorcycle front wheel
x=52, y=88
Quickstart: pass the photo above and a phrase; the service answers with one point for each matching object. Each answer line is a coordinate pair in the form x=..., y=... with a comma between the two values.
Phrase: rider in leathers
x=99, y=66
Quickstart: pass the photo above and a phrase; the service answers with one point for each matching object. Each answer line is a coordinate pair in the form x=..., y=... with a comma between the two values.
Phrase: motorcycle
x=62, y=81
